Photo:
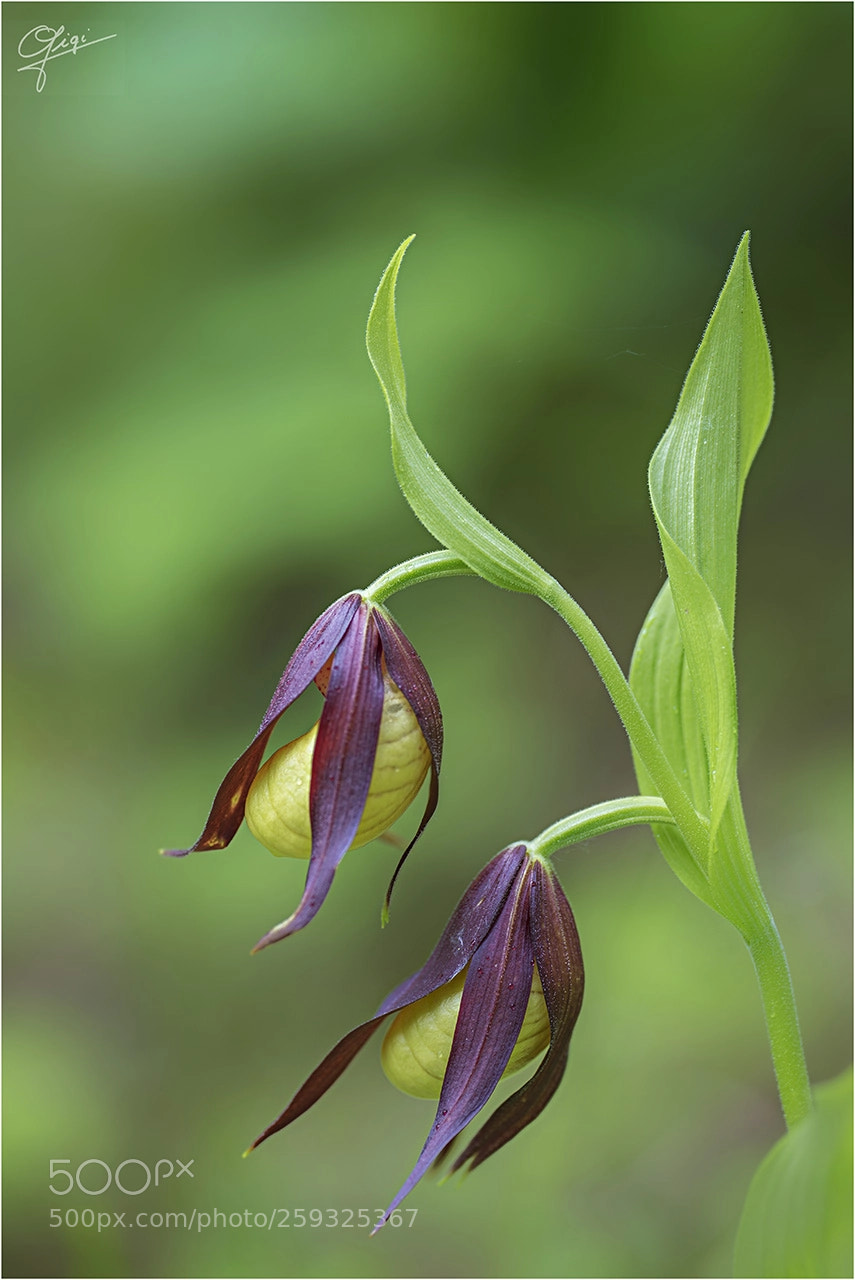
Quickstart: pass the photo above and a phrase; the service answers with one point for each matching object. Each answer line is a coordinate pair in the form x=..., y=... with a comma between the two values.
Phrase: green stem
x=732, y=873
x=631, y=811
x=749, y=910
x=694, y=829
x=444, y=564
x=782, y=1023
x=435, y=564
x=734, y=880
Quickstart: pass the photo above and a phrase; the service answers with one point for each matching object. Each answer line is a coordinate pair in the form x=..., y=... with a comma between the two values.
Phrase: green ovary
x=277, y=807
x=415, y=1051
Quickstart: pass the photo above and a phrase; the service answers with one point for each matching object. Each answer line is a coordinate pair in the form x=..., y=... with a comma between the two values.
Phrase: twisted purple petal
x=336, y=1061
x=407, y=670
x=342, y=764
x=470, y=923
x=495, y=997
x=559, y=963
x=311, y=653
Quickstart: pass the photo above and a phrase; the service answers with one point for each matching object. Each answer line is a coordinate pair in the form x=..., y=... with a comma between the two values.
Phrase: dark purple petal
x=407, y=670
x=559, y=963
x=468, y=926
x=323, y=1076
x=471, y=921
x=342, y=764
x=430, y=809
x=313, y=651
x=310, y=655
x=492, y=1009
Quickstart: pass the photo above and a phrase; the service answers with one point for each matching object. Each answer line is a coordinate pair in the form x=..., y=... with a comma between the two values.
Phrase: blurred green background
x=197, y=214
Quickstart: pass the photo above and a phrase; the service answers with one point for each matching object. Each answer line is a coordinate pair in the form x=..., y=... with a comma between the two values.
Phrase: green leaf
x=797, y=1219
x=698, y=470
x=709, y=659
x=444, y=512
x=659, y=678
x=697, y=477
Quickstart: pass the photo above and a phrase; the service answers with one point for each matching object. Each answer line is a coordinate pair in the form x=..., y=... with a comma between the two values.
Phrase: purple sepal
x=559, y=962
x=492, y=1009
x=308, y=658
x=470, y=923
x=342, y=765
x=408, y=672
x=336, y=1061
x=311, y=653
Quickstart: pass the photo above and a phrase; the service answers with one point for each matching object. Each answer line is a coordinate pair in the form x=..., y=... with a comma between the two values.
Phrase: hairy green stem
x=742, y=899
x=754, y=918
x=694, y=829
x=435, y=564
x=782, y=1022
x=596, y=820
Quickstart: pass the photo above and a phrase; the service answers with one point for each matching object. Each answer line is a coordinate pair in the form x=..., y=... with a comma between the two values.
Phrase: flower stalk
x=434, y=564
x=597, y=820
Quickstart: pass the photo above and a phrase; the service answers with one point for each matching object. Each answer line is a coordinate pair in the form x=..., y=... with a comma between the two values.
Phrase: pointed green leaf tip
x=441, y=508
x=797, y=1219
x=697, y=477
x=698, y=471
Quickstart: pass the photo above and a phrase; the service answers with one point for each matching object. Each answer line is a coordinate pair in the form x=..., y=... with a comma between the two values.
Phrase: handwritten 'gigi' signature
x=39, y=46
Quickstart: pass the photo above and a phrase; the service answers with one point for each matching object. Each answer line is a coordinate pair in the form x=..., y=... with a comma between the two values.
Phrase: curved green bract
x=441, y=508
x=797, y=1219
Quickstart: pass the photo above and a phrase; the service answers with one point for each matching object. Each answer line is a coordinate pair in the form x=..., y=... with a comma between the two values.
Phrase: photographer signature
x=39, y=46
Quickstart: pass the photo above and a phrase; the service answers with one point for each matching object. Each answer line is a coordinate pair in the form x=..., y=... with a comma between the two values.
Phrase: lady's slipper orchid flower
x=512, y=923
x=351, y=776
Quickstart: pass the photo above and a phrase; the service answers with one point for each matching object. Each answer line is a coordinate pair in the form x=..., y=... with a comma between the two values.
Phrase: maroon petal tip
x=277, y=934
x=312, y=652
